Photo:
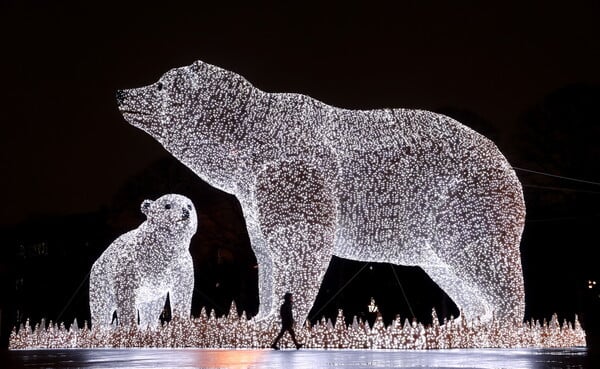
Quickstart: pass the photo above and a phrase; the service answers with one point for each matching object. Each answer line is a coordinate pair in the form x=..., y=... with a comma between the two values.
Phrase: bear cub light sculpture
x=402, y=186
x=136, y=272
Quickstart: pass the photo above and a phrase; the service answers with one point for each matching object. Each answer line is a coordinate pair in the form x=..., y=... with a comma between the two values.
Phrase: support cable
x=403, y=293
x=557, y=176
x=339, y=291
x=73, y=296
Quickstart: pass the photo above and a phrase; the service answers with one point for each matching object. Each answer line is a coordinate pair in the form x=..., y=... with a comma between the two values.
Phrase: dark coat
x=287, y=319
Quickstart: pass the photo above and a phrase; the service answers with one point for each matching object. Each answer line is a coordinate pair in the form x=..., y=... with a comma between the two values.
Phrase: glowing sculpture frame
x=137, y=271
x=401, y=186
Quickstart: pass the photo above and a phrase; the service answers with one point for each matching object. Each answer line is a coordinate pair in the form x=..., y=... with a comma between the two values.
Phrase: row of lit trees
x=235, y=331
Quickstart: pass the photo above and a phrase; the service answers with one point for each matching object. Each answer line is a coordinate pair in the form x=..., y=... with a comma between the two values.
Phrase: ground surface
x=576, y=358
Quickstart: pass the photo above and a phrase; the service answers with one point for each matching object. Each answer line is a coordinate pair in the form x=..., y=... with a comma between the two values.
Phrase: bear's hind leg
x=477, y=233
x=467, y=297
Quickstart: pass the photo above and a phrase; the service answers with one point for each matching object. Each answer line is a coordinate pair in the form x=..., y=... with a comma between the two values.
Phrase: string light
x=137, y=271
x=234, y=331
x=401, y=186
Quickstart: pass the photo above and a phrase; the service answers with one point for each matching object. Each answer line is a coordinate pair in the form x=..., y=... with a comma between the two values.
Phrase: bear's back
x=295, y=119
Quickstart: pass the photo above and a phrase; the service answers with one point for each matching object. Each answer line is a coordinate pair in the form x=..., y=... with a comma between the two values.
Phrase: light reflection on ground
x=575, y=358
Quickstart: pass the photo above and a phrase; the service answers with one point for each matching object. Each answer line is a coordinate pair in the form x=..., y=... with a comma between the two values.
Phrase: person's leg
x=291, y=331
x=276, y=341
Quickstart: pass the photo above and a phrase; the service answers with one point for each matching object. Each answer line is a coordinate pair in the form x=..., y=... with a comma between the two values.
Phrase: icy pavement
x=575, y=358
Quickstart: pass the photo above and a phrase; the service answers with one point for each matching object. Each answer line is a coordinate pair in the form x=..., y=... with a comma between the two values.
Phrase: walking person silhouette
x=287, y=322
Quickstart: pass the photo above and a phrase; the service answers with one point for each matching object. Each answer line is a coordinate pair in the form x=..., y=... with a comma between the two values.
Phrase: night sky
x=525, y=74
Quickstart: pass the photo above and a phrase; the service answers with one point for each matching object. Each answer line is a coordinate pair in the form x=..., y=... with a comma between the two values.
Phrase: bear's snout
x=186, y=214
x=120, y=96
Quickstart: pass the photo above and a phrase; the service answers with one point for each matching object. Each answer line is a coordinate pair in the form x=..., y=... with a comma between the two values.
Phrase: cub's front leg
x=182, y=290
x=297, y=220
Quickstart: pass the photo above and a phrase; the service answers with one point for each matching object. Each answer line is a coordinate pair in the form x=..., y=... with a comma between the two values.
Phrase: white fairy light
x=232, y=331
x=401, y=186
x=137, y=271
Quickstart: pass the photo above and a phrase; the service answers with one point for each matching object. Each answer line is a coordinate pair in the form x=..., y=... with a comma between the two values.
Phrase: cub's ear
x=146, y=206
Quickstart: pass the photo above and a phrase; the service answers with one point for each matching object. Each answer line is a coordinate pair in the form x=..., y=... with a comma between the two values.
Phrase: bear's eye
x=167, y=206
x=159, y=86
x=189, y=207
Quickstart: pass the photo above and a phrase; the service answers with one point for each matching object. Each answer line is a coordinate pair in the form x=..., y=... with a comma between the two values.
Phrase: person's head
x=287, y=296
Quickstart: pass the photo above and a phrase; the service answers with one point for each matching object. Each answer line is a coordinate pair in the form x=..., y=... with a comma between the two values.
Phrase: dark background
x=73, y=172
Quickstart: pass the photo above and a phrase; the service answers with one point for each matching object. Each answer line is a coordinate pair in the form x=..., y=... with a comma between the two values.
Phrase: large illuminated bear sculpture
x=400, y=186
x=135, y=273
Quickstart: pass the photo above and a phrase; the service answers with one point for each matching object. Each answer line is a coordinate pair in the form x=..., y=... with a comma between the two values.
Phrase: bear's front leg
x=265, y=263
x=125, y=287
x=297, y=216
x=102, y=296
x=150, y=311
x=180, y=295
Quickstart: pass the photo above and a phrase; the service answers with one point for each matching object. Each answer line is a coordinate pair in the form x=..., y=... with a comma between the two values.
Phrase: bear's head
x=172, y=214
x=197, y=113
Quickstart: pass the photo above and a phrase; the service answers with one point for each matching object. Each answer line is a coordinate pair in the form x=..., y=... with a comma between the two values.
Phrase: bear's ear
x=197, y=66
x=146, y=206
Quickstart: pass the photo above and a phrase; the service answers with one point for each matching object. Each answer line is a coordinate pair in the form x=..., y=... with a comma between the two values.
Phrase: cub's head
x=173, y=214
